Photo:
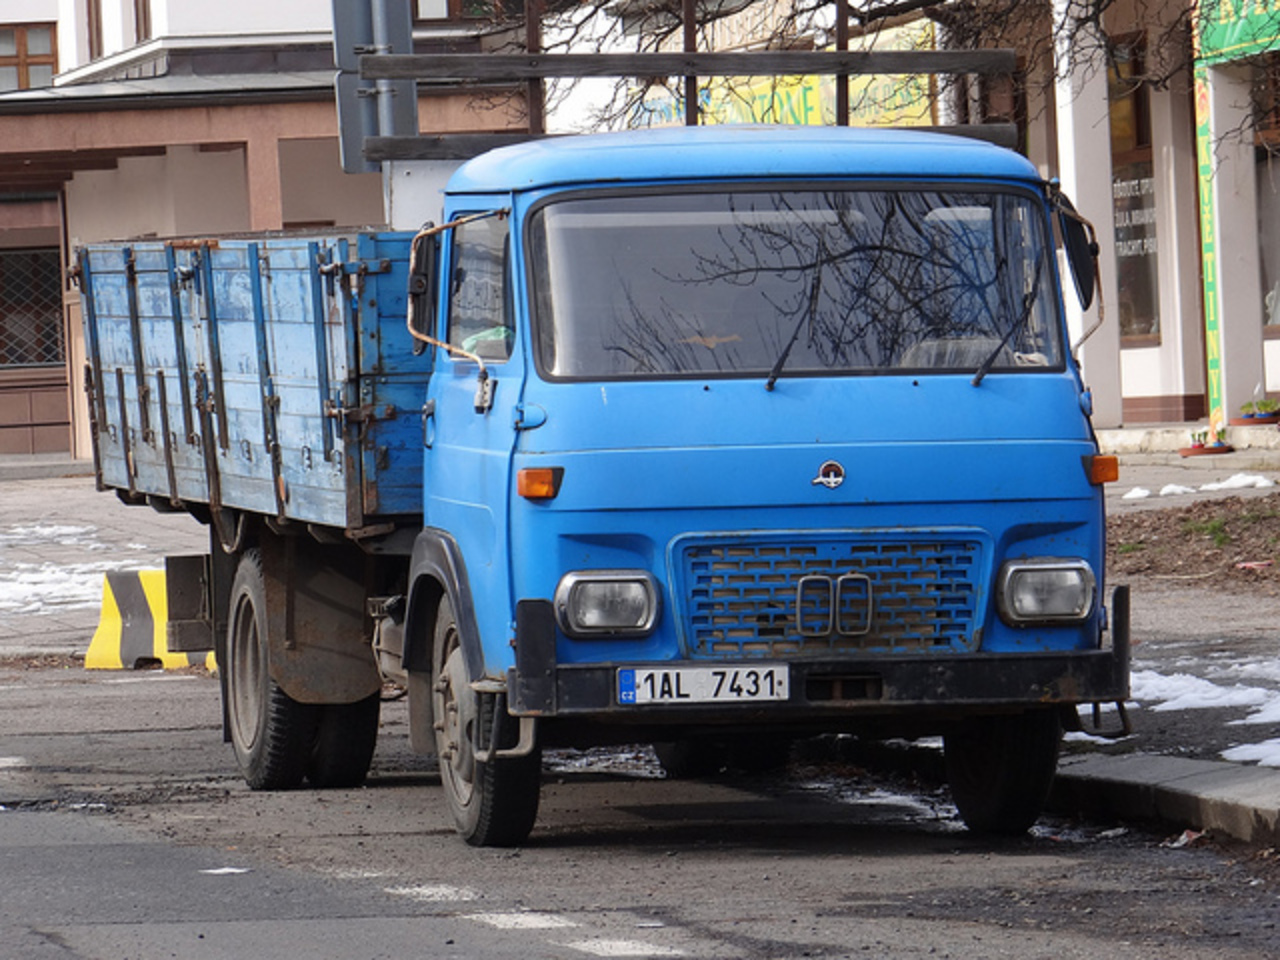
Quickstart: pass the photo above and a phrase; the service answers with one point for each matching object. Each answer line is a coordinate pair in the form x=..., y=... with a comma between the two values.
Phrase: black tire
x=494, y=803
x=272, y=734
x=766, y=754
x=346, y=736
x=698, y=758
x=1001, y=768
x=690, y=759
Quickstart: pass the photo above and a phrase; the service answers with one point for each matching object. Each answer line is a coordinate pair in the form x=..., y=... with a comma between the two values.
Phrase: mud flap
x=316, y=623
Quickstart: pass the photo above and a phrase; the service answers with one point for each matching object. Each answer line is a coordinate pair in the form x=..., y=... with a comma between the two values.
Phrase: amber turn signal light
x=539, y=483
x=1102, y=468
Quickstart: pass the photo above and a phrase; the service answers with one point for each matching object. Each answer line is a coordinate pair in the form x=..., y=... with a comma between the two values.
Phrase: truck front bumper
x=540, y=687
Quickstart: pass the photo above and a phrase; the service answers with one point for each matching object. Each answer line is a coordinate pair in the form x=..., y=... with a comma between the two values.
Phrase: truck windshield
x=792, y=283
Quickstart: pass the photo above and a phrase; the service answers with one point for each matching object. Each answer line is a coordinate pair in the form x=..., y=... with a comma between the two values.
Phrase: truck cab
x=734, y=435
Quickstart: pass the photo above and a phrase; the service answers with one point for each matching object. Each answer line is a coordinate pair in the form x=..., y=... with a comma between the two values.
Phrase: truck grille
x=777, y=599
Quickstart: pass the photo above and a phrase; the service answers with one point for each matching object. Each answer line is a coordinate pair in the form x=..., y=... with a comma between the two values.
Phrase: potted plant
x=1248, y=410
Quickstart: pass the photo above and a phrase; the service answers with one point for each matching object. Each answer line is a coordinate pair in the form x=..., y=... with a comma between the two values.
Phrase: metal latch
x=364, y=414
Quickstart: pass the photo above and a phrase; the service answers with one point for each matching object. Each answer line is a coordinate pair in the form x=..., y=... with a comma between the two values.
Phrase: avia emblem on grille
x=830, y=475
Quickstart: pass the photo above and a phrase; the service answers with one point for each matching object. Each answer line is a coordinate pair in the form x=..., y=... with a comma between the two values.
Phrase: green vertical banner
x=1208, y=250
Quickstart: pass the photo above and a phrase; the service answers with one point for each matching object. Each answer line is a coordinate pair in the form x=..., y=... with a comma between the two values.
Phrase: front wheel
x=272, y=734
x=495, y=802
x=1001, y=768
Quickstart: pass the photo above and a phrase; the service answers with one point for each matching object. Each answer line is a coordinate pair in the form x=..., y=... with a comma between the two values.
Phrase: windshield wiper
x=815, y=294
x=1028, y=301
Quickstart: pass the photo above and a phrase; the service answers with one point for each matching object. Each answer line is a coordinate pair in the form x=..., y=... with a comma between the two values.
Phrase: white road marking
x=522, y=920
x=12, y=763
x=622, y=948
x=154, y=676
x=434, y=893
x=225, y=871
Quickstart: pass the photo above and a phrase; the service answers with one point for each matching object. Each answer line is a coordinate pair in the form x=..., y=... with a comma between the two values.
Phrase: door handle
x=428, y=423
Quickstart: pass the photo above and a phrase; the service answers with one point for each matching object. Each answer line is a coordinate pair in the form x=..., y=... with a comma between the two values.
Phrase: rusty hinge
x=365, y=267
x=364, y=414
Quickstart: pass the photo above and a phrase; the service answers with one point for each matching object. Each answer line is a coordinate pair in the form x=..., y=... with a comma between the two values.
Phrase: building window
x=1267, y=126
x=1004, y=100
x=28, y=56
x=93, y=15
x=30, y=309
x=999, y=98
x=1133, y=193
x=142, y=20
x=468, y=9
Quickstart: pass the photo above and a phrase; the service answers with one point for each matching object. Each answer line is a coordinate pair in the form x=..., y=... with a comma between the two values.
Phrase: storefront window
x=1133, y=192
x=30, y=309
x=1267, y=103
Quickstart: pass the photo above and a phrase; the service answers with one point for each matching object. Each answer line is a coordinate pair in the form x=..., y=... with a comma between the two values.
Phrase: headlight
x=596, y=603
x=1045, y=591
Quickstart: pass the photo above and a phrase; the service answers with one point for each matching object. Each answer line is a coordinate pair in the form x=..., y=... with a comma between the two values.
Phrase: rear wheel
x=272, y=734
x=346, y=736
x=1001, y=768
x=494, y=803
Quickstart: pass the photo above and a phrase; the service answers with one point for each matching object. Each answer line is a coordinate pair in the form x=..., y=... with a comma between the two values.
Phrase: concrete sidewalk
x=40, y=466
x=1231, y=799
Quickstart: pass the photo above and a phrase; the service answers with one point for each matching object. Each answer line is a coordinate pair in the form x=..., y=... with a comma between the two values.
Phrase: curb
x=133, y=626
x=1227, y=798
x=43, y=467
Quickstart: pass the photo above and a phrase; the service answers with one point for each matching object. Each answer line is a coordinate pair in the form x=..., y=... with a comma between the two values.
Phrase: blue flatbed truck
x=711, y=438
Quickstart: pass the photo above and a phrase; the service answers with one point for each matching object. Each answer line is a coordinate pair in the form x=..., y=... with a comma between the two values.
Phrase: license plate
x=678, y=685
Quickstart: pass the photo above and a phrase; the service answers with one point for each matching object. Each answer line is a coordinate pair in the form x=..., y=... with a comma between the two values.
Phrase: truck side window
x=480, y=318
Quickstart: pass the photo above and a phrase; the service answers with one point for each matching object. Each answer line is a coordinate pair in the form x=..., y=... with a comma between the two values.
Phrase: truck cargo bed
x=273, y=376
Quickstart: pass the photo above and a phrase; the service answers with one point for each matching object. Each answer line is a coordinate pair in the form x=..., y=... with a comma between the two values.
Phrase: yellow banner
x=874, y=101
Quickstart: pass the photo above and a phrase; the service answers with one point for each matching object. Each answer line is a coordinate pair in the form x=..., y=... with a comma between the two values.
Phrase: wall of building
x=28, y=11
x=186, y=191
x=184, y=18
x=314, y=190
x=173, y=19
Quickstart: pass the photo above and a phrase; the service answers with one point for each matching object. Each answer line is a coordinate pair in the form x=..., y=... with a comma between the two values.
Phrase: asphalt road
x=126, y=832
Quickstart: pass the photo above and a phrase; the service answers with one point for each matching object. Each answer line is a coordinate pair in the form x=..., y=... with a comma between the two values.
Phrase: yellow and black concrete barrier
x=133, y=625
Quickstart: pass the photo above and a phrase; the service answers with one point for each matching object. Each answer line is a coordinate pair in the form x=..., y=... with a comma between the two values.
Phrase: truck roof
x=735, y=151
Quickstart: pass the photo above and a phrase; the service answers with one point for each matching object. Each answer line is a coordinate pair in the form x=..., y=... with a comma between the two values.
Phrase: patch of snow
x=1175, y=490
x=1182, y=691
x=1240, y=481
x=1265, y=754
x=1080, y=736
x=1137, y=493
x=1267, y=713
x=34, y=534
x=639, y=762
x=27, y=588
x=1251, y=669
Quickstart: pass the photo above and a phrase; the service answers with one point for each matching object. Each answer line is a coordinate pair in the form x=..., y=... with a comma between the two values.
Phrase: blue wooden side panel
x=393, y=378
x=242, y=371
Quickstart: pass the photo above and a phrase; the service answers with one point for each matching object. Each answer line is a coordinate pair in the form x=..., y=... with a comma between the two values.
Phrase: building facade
x=141, y=118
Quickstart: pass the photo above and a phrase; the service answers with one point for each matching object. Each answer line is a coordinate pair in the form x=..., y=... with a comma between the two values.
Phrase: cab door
x=469, y=424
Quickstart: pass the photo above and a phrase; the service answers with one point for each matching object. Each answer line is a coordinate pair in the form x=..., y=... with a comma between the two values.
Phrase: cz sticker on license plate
x=681, y=685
